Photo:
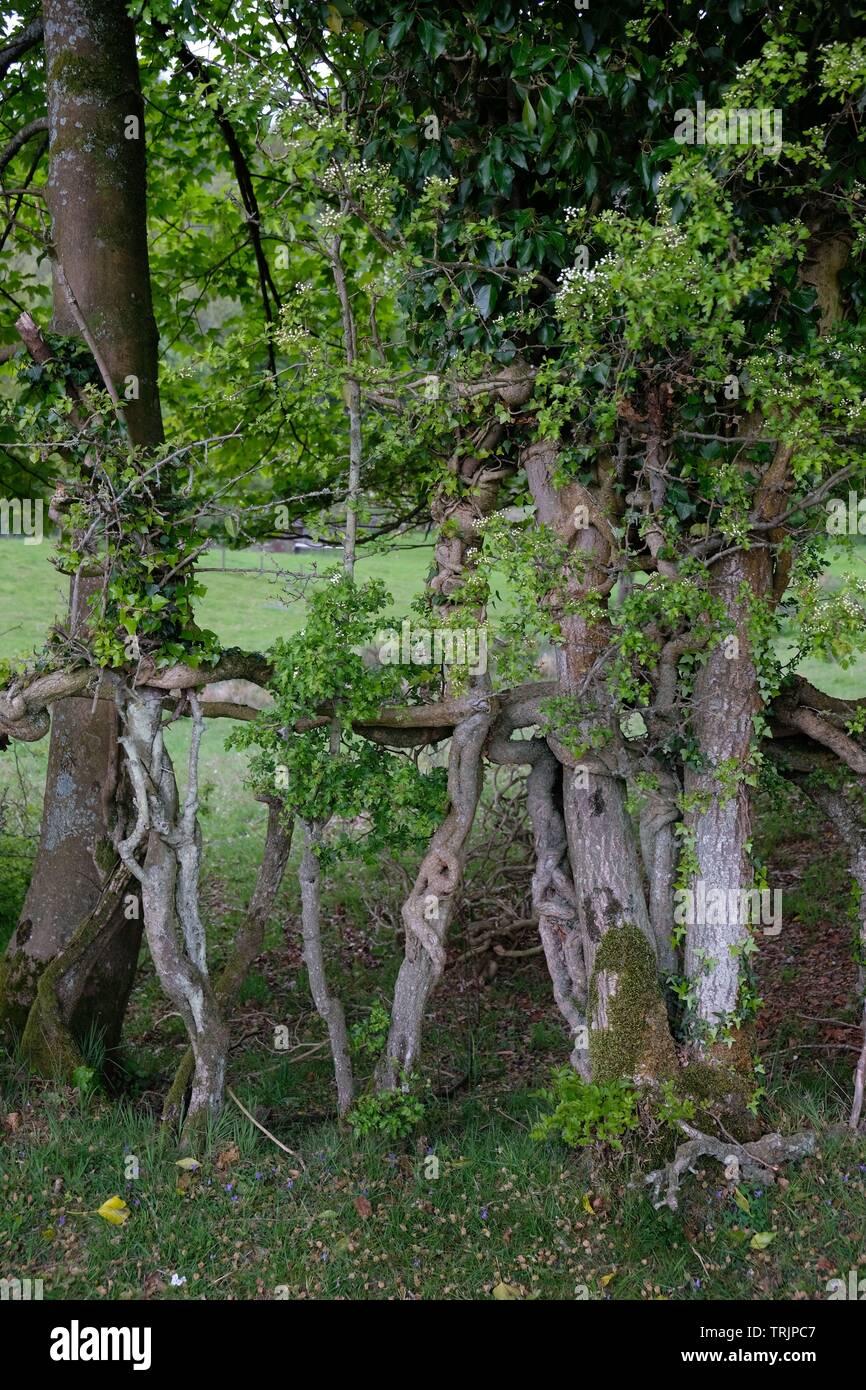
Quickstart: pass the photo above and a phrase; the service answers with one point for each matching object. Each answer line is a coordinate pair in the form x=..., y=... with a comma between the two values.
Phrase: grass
x=363, y=1219
x=244, y=609
x=243, y=601
x=366, y=1220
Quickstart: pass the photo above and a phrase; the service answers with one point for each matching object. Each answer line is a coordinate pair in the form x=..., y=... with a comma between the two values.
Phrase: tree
x=96, y=202
x=603, y=295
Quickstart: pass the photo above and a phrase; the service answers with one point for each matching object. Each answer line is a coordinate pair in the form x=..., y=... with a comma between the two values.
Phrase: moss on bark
x=629, y=1035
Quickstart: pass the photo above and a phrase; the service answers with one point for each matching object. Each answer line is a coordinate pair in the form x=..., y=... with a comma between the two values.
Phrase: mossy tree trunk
x=97, y=200
x=626, y=1016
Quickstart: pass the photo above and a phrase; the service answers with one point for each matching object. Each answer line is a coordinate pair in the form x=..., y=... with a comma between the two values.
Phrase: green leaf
x=761, y=1239
x=433, y=40
x=400, y=29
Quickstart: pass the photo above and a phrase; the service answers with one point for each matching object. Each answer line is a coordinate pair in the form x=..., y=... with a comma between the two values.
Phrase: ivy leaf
x=530, y=120
x=400, y=29
x=432, y=39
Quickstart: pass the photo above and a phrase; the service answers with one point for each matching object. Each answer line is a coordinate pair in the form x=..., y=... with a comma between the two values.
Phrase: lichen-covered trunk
x=247, y=945
x=96, y=196
x=660, y=852
x=718, y=823
x=628, y=1026
x=553, y=898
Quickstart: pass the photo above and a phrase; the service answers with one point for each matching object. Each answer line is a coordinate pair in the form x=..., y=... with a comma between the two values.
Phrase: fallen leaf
x=587, y=1205
x=188, y=1165
x=364, y=1207
x=228, y=1156
x=13, y=1121
x=761, y=1239
x=114, y=1210
x=606, y=1278
x=742, y=1201
x=507, y=1293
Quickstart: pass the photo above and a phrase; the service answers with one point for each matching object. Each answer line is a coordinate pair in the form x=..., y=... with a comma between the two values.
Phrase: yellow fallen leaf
x=587, y=1205
x=115, y=1211
x=188, y=1165
x=742, y=1201
x=48, y=1233
x=507, y=1293
x=761, y=1239
x=606, y=1278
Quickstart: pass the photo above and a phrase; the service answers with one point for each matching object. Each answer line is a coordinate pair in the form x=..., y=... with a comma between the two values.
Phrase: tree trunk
x=247, y=944
x=169, y=878
x=328, y=1006
x=726, y=699
x=97, y=200
x=428, y=910
x=626, y=1016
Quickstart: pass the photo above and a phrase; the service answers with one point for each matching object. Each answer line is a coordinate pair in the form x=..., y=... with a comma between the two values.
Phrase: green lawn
x=362, y=1218
x=244, y=609
x=247, y=609
x=245, y=606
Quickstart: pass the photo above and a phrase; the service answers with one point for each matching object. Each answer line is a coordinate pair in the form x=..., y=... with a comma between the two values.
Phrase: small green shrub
x=391, y=1113
x=586, y=1113
x=367, y=1038
x=673, y=1108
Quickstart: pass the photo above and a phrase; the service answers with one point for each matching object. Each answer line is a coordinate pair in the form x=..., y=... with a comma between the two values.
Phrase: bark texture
x=726, y=699
x=247, y=945
x=169, y=877
x=96, y=196
x=328, y=1006
x=428, y=910
x=631, y=1035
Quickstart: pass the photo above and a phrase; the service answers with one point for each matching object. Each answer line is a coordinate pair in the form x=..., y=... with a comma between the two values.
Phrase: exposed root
x=758, y=1160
